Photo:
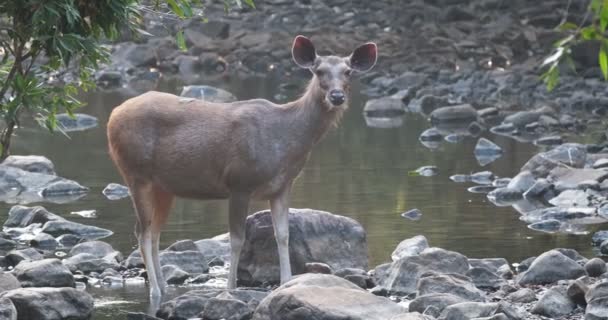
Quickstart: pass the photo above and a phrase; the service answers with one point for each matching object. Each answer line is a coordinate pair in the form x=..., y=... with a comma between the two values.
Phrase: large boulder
x=86, y=262
x=320, y=296
x=43, y=273
x=314, y=236
x=50, y=303
x=8, y=282
x=551, y=267
x=458, y=285
x=572, y=155
x=402, y=276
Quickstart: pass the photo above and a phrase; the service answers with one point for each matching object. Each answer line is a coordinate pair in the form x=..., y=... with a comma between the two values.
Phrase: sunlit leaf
x=181, y=42
x=603, y=59
x=559, y=52
x=176, y=8
x=567, y=26
x=250, y=3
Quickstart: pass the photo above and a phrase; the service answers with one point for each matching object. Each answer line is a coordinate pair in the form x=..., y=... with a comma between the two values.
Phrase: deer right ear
x=303, y=52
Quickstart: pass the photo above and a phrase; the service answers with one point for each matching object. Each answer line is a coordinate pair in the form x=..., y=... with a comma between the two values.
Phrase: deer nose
x=336, y=97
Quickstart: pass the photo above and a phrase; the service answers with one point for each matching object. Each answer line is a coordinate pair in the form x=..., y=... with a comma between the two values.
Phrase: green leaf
x=413, y=173
x=588, y=33
x=181, y=42
x=176, y=8
x=604, y=16
x=250, y=3
x=551, y=77
x=567, y=26
x=603, y=59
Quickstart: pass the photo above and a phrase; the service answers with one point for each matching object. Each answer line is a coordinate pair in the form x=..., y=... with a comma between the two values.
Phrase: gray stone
x=571, y=198
x=595, y=267
x=115, y=191
x=317, y=267
x=569, y=154
x=571, y=178
x=463, y=113
x=226, y=309
x=183, y=245
x=484, y=278
x=173, y=274
x=44, y=241
x=86, y=262
x=439, y=301
x=8, y=282
x=38, y=164
x=192, y=262
x=384, y=107
x=577, y=290
x=491, y=264
x=410, y=247
x=98, y=249
x=314, y=236
x=456, y=285
x=57, y=228
x=317, y=296
x=485, y=147
x=43, y=273
x=554, y=303
x=14, y=257
x=403, y=274
x=551, y=267
x=51, y=303
x=7, y=309
x=22, y=216
x=468, y=310
x=523, y=295
x=212, y=248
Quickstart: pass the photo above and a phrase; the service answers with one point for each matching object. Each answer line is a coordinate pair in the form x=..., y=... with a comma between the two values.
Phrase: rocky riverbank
x=47, y=274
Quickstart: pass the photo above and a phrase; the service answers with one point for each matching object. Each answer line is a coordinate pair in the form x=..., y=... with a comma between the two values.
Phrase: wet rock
x=183, y=245
x=475, y=129
x=192, y=303
x=316, y=267
x=51, y=303
x=522, y=118
x=63, y=188
x=577, y=290
x=115, y=191
x=551, y=267
x=98, y=249
x=597, y=302
x=414, y=214
x=69, y=240
x=410, y=247
x=554, y=303
x=43, y=273
x=484, y=278
x=14, y=257
x=38, y=164
x=140, y=316
x=222, y=308
x=190, y=261
x=8, y=282
x=427, y=103
x=173, y=274
x=207, y=93
x=482, y=177
x=87, y=262
x=338, y=241
x=44, y=241
x=493, y=265
x=20, y=186
x=463, y=113
x=486, y=148
x=78, y=122
x=60, y=227
x=523, y=295
x=433, y=304
x=7, y=309
x=468, y=310
x=6, y=244
x=540, y=187
x=22, y=216
x=427, y=171
x=330, y=299
x=411, y=316
x=549, y=141
x=402, y=275
x=599, y=237
x=548, y=226
x=431, y=134
x=600, y=163
x=386, y=107
x=570, y=178
x=504, y=196
x=504, y=129
x=595, y=267
x=571, y=154
x=212, y=249
x=457, y=285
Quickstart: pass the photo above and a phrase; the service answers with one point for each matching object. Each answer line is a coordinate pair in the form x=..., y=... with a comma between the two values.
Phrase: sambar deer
x=166, y=146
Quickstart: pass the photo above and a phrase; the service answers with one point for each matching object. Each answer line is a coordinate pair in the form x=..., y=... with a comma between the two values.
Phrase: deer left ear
x=364, y=57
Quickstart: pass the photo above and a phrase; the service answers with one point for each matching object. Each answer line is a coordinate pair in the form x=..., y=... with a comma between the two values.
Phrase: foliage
x=594, y=31
x=65, y=35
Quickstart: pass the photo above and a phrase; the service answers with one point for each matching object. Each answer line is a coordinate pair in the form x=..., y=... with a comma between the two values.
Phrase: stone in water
x=413, y=214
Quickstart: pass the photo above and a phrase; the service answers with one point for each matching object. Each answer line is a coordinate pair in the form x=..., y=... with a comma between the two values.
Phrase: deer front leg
x=238, y=207
x=279, y=208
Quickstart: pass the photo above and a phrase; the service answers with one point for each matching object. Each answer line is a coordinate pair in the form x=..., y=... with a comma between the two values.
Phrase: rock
x=498, y=316
x=212, y=249
x=427, y=171
x=44, y=241
x=597, y=302
x=571, y=154
x=523, y=295
x=569, y=178
x=69, y=240
x=6, y=244
x=491, y=264
x=7, y=310
x=207, y=93
x=140, y=316
x=551, y=267
x=22, y=216
x=57, y=228
x=437, y=301
x=468, y=310
x=554, y=303
x=413, y=214
x=98, y=249
x=8, y=282
x=174, y=275
x=549, y=226
x=595, y=267
x=456, y=285
x=314, y=236
x=192, y=262
x=183, y=245
x=115, y=191
x=16, y=256
x=316, y=296
x=51, y=303
x=402, y=276
x=38, y=164
x=540, y=187
x=77, y=122
x=599, y=237
x=549, y=141
x=577, y=290
x=431, y=134
x=484, y=278
x=86, y=262
x=317, y=267
x=192, y=303
x=485, y=147
x=463, y=113
x=221, y=308
x=600, y=163
x=384, y=107
x=410, y=247
x=43, y=273
x=571, y=198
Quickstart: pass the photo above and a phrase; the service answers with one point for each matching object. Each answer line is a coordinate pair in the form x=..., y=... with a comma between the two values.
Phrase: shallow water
x=357, y=171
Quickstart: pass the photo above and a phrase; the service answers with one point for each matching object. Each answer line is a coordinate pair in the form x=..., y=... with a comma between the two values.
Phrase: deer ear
x=303, y=52
x=364, y=57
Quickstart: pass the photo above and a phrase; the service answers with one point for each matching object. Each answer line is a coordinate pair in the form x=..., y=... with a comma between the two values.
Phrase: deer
x=165, y=146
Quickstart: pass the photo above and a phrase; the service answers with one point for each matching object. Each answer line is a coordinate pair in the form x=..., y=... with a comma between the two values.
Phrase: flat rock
x=463, y=113
x=8, y=282
x=173, y=274
x=384, y=107
x=314, y=236
x=523, y=295
x=571, y=178
x=61, y=227
x=570, y=154
x=51, y=303
x=115, y=191
x=484, y=278
x=96, y=248
x=43, y=273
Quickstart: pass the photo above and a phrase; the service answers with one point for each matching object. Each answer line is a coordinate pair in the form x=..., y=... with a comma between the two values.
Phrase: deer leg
x=143, y=201
x=238, y=207
x=279, y=208
x=163, y=201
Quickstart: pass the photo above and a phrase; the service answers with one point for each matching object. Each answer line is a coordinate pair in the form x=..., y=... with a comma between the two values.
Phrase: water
x=356, y=171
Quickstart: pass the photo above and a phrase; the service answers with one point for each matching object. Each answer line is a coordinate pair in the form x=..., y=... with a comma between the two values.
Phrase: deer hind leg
x=279, y=208
x=163, y=201
x=148, y=228
x=238, y=207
